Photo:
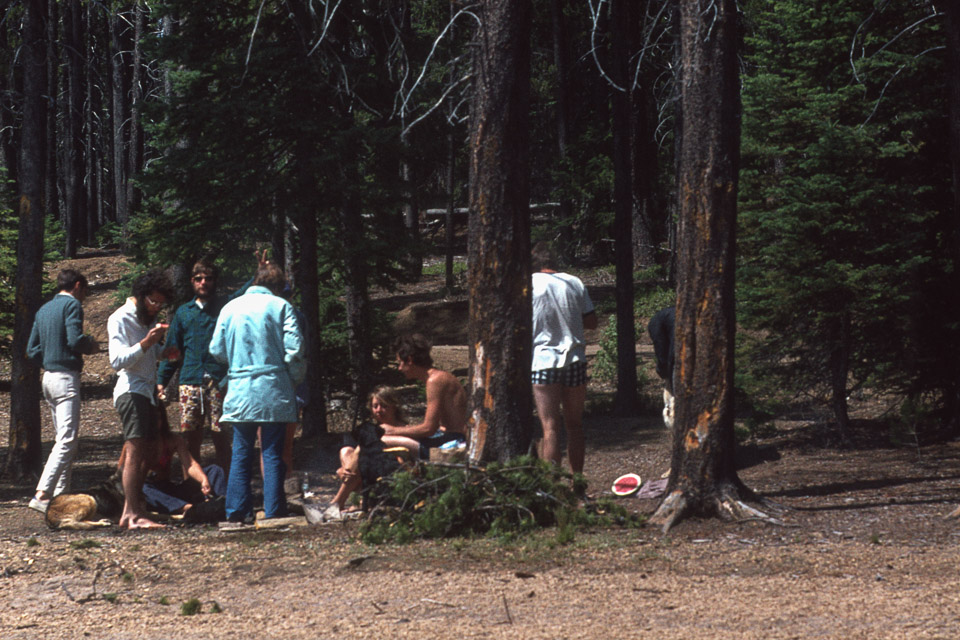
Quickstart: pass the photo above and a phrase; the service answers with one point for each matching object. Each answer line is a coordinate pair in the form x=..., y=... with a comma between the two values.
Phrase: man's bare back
x=452, y=400
x=446, y=402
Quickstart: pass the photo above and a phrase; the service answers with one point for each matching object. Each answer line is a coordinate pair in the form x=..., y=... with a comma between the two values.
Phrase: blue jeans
x=170, y=497
x=239, y=496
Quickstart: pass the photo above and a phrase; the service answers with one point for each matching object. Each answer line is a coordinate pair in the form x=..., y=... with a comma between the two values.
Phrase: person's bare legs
x=349, y=485
x=193, y=438
x=547, y=397
x=134, y=508
x=574, y=399
x=349, y=474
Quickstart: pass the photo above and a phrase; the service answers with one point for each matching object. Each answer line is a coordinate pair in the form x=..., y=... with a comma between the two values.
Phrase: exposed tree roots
x=728, y=504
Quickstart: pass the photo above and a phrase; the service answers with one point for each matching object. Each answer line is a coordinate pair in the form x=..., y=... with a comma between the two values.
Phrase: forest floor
x=864, y=550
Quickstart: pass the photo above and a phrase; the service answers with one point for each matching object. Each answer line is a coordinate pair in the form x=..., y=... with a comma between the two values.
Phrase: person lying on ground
x=446, y=416
x=161, y=492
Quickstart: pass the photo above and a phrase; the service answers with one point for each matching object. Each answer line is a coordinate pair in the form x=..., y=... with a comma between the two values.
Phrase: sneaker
x=39, y=505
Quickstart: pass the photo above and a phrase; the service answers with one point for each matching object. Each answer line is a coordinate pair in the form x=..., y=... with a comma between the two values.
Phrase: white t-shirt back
x=560, y=301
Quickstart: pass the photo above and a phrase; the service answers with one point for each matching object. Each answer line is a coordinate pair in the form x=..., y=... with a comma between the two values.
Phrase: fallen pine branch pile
x=500, y=500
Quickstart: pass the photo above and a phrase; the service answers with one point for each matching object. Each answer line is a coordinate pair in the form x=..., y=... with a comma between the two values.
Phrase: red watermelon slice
x=626, y=485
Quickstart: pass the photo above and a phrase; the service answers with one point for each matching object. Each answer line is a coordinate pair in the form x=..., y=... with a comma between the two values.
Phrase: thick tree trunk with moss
x=703, y=478
x=23, y=457
x=499, y=235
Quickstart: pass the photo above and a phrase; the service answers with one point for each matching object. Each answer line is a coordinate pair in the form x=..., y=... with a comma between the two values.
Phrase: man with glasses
x=135, y=344
x=201, y=377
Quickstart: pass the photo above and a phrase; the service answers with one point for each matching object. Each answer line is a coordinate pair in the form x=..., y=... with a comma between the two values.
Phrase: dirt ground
x=864, y=550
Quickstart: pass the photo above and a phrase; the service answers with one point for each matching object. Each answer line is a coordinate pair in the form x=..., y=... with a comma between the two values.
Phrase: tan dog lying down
x=101, y=506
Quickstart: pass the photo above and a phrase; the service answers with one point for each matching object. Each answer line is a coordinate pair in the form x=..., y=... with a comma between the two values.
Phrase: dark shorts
x=138, y=416
x=572, y=375
x=437, y=439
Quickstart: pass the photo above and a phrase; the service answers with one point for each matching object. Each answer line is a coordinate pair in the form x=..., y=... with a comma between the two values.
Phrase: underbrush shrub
x=502, y=501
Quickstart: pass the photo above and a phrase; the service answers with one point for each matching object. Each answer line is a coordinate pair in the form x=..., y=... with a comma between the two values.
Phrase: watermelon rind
x=626, y=485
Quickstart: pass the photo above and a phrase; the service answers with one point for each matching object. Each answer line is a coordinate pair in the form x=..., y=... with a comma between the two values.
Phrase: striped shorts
x=572, y=375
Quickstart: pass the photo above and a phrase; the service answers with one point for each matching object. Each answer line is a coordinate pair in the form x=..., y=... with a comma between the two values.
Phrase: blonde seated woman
x=387, y=410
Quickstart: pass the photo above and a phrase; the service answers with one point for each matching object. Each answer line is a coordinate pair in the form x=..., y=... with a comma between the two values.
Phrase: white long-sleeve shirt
x=137, y=368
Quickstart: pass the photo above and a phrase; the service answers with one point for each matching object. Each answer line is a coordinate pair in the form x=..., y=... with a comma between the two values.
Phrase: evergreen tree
x=842, y=200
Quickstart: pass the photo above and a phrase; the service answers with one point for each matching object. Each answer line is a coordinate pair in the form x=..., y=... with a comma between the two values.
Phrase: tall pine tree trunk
x=91, y=176
x=51, y=198
x=499, y=235
x=953, y=88
x=315, y=412
x=356, y=283
x=73, y=198
x=625, y=400
x=135, y=147
x=703, y=478
x=839, y=363
x=564, y=119
x=24, y=450
x=120, y=113
x=8, y=142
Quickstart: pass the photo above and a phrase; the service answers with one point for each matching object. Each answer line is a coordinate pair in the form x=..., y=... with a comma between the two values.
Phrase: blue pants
x=239, y=496
x=170, y=497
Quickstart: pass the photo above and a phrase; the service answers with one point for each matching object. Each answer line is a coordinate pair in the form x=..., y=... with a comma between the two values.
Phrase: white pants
x=61, y=389
x=668, y=409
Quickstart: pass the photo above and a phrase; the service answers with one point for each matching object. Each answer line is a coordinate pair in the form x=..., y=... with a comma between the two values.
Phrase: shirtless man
x=446, y=416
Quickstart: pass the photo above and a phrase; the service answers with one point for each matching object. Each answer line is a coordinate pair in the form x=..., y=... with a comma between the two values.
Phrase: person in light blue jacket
x=259, y=339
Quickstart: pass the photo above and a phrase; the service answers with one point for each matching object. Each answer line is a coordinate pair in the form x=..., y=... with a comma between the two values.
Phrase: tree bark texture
x=74, y=214
x=839, y=371
x=51, y=198
x=499, y=235
x=8, y=138
x=357, y=301
x=135, y=145
x=625, y=400
x=953, y=89
x=564, y=118
x=703, y=478
x=24, y=450
x=120, y=114
x=315, y=412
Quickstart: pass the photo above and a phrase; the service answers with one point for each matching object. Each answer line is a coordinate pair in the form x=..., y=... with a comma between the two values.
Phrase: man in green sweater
x=57, y=343
x=201, y=377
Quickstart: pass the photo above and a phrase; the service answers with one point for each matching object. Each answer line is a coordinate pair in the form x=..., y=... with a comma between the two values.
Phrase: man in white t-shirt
x=135, y=344
x=562, y=309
